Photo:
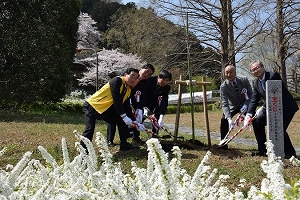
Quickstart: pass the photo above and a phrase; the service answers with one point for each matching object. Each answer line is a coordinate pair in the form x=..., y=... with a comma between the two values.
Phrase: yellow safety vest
x=102, y=99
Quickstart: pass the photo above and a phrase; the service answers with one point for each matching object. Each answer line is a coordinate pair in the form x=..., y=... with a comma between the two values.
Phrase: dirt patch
x=198, y=145
x=189, y=145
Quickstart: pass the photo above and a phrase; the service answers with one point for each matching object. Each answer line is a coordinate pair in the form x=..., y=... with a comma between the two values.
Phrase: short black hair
x=129, y=70
x=148, y=65
x=114, y=74
x=165, y=74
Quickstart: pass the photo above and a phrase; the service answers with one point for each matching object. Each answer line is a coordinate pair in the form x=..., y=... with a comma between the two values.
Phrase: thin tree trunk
x=231, y=45
x=280, y=41
x=224, y=41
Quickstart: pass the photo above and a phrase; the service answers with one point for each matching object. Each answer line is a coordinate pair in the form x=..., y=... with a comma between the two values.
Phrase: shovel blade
x=223, y=142
x=166, y=136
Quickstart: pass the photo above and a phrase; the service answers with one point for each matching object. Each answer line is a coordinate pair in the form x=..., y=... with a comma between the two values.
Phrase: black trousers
x=111, y=131
x=260, y=134
x=224, y=126
x=110, y=116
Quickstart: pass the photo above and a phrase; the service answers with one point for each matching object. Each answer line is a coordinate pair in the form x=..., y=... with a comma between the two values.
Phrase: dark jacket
x=139, y=94
x=288, y=102
x=157, y=97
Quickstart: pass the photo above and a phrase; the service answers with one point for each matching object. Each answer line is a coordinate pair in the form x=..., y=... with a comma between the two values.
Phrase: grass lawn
x=21, y=132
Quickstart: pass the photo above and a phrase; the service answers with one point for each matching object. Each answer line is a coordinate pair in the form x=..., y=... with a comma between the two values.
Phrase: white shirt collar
x=263, y=78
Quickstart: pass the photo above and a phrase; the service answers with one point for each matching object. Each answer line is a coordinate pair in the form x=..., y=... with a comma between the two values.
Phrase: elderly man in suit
x=235, y=94
x=289, y=107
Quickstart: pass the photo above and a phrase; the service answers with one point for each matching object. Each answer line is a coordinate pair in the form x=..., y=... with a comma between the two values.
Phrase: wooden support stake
x=204, y=84
x=206, y=113
x=178, y=109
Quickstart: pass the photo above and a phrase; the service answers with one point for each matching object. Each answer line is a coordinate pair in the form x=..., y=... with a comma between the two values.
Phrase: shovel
x=224, y=141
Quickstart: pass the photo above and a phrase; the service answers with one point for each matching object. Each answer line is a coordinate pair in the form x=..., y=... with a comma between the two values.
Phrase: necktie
x=263, y=85
x=236, y=88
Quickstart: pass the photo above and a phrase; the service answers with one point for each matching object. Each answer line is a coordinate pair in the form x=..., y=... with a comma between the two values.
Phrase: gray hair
x=258, y=61
x=230, y=65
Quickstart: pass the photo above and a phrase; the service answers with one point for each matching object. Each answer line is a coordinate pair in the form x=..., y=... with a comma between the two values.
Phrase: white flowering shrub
x=84, y=178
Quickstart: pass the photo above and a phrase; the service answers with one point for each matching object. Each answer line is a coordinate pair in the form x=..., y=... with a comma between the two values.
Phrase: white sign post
x=274, y=116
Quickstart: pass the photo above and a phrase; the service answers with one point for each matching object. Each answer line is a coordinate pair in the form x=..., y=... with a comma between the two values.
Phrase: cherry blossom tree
x=108, y=60
x=88, y=35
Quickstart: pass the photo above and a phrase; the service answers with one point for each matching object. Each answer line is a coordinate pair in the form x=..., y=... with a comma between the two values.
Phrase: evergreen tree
x=38, y=42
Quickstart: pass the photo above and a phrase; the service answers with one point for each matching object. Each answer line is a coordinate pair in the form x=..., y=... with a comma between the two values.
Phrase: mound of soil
x=189, y=145
x=198, y=145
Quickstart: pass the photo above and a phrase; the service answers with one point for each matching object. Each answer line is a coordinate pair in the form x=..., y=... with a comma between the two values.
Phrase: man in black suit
x=137, y=101
x=157, y=98
x=138, y=98
x=289, y=106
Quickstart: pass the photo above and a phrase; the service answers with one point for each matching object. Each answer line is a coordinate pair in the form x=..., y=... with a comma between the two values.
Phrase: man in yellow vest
x=111, y=104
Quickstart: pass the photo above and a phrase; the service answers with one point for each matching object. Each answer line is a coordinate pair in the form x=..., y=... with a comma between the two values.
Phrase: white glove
x=247, y=119
x=260, y=111
x=243, y=109
x=145, y=112
x=230, y=123
x=139, y=115
x=139, y=126
x=127, y=121
x=160, y=120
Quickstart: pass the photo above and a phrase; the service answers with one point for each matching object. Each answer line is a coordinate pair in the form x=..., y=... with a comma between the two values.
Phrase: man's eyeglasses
x=255, y=68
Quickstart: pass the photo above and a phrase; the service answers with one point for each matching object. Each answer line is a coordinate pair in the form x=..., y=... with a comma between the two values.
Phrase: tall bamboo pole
x=190, y=77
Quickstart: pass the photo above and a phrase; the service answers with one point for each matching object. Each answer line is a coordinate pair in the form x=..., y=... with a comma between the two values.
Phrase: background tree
x=277, y=48
x=266, y=53
x=87, y=35
x=37, y=39
x=160, y=42
x=108, y=61
x=156, y=40
x=287, y=33
x=227, y=27
x=101, y=11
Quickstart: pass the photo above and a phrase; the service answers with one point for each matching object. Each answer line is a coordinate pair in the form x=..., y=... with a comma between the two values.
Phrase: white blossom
x=108, y=61
x=85, y=178
x=88, y=36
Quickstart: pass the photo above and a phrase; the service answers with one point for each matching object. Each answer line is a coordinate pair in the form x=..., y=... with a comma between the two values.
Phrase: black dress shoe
x=138, y=140
x=289, y=156
x=127, y=146
x=110, y=144
x=258, y=153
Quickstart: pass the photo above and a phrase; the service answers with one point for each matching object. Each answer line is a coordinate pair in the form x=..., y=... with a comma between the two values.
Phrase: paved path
x=215, y=136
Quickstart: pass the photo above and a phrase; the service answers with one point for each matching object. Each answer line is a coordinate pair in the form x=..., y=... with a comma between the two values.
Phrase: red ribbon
x=137, y=95
x=159, y=100
x=244, y=91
